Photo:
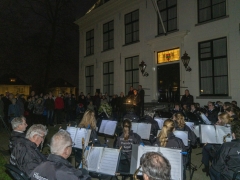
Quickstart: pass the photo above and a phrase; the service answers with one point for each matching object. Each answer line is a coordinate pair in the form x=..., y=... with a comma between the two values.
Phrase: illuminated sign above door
x=168, y=56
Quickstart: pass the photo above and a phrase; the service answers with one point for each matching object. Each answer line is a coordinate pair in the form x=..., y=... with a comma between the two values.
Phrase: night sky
x=39, y=42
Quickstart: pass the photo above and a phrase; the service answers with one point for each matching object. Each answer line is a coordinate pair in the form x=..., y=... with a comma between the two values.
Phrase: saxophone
x=224, y=137
x=136, y=172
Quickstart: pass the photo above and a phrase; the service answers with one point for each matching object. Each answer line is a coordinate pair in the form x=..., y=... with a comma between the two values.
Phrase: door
x=168, y=77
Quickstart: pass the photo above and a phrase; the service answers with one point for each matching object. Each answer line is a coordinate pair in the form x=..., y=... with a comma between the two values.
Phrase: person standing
x=59, y=106
x=49, y=104
x=187, y=99
x=141, y=93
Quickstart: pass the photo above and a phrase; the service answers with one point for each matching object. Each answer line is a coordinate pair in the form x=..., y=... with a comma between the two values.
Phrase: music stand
x=4, y=124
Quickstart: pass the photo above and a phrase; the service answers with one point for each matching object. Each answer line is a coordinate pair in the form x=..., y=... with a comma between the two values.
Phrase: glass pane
x=162, y=4
x=135, y=26
x=110, y=89
x=128, y=28
x=87, y=71
x=110, y=66
x=128, y=76
x=105, y=27
x=105, y=80
x=88, y=81
x=127, y=18
x=172, y=24
x=105, y=89
x=128, y=63
x=172, y=13
x=105, y=45
x=135, y=76
x=111, y=79
x=111, y=44
x=172, y=2
x=206, y=86
x=164, y=15
x=135, y=62
x=135, y=15
x=221, y=85
x=111, y=25
x=92, y=81
x=128, y=38
x=105, y=68
x=88, y=90
x=105, y=37
x=220, y=47
x=206, y=68
x=92, y=33
x=220, y=66
x=219, y=10
x=204, y=3
x=111, y=35
x=136, y=36
x=218, y=1
x=92, y=70
x=204, y=14
x=204, y=45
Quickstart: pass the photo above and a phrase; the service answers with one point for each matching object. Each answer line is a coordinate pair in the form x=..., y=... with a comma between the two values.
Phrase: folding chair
x=16, y=173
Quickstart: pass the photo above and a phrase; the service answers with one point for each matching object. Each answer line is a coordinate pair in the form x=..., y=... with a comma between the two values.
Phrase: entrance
x=168, y=80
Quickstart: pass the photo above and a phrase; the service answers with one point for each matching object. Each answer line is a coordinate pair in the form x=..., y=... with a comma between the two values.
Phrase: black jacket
x=187, y=100
x=126, y=145
x=191, y=135
x=227, y=159
x=26, y=156
x=212, y=115
x=15, y=135
x=57, y=168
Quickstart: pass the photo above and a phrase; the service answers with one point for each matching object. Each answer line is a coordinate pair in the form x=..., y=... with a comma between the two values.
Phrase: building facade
x=118, y=35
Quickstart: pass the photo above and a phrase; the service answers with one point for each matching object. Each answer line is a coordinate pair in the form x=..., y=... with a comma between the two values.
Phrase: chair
x=16, y=173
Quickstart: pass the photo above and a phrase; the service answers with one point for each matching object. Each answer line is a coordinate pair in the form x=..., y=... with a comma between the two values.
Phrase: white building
x=116, y=36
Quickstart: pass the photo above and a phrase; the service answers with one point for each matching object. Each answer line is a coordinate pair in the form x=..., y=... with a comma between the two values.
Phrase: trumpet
x=136, y=172
x=224, y=137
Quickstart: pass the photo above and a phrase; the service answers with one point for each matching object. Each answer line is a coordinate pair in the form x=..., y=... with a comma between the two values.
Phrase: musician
x=89, y=122
x=209, y=150
x=57, y=165
x=180, y=125
x=212, y=113
x=187, y=98
x=166, y=138
x=226, y=105
x=227, y=159
x=233, y=112
x=25, y=155
x=19, y=125
x=155, y=166
x=176, y=108
x=127, y=138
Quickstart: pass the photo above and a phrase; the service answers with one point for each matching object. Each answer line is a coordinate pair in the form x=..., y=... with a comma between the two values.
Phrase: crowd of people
x=220, y=161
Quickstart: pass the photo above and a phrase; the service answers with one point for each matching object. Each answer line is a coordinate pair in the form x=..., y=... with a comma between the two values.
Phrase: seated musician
x=166, y=138
x=57, y=165
x=177, y=108
x=180, y=125
x=212, y=113
x=25, y=155
x=127, y=138
x=155, y=166
x=89, y=121
x=227, y=159
x=19, y=125
x=234, y=113
x=209, y=150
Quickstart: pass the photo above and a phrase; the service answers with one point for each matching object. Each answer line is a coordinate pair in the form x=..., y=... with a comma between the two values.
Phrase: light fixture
x=185, y=59
x=142, y=67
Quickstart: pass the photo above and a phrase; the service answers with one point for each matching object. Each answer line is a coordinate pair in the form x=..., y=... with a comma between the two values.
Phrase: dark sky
x=32, y=49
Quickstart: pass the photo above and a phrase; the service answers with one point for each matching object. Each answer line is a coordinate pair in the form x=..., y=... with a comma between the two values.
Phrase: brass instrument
x=136, y=172
x=224, y=137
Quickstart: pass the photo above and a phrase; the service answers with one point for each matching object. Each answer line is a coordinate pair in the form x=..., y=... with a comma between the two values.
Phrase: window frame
x=91, y=76
x=132, y=22
x=131, y=70
x=108, y=33
x=108, y=76
x=167, y=9
x=212, y=58
x=90, y=39
x=211, y=8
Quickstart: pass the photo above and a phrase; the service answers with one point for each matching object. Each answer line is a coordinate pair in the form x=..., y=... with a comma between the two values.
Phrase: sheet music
x=205, y=119
x=196, y=131
x=81, y=133
x=108, y=127
x=72, y=131
x=160, y=121
x=208, y=134
x=93, y=158
x=109, y=161
x=183, y=135
x=190, y=125
x=144, y=130
x=174, y=156
x=134, y=127
x=223, y=131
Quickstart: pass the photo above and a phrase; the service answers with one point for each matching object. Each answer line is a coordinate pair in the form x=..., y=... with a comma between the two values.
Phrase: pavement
x=4, y=152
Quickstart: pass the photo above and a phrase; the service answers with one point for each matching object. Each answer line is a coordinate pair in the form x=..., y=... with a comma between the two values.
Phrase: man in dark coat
x=187, y=98
x=212, y=113
x=57, y=165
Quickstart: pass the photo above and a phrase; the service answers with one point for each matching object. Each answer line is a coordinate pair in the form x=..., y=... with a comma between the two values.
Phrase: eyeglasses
x=41, y=136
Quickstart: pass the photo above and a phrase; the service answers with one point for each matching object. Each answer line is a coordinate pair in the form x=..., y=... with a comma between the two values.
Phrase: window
x=132, y=27
x=168, y=11
x=131, y=73
x=108, y=77
x=89, y=74
x=211, y=9
x=90, y=42
x=108, y=35
x=213, y=66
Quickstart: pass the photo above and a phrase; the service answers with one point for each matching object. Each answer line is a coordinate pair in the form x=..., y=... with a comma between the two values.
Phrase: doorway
x=168, y=80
